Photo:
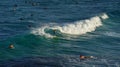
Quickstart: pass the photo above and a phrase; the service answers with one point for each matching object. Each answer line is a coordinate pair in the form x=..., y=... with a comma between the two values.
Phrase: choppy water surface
x=54, y=33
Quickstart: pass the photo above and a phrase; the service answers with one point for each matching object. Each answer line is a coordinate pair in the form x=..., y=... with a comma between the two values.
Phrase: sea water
x=54, y=33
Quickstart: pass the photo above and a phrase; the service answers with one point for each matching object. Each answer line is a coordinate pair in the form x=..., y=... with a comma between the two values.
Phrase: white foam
x=76, y=28
x=41, y=31
x=81, y=27
x=104, y=16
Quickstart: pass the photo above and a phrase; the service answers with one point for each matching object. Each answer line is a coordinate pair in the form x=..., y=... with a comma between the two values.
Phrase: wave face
x=76, y=28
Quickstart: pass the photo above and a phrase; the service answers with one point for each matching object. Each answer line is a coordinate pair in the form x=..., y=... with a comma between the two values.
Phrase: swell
x=75, y=28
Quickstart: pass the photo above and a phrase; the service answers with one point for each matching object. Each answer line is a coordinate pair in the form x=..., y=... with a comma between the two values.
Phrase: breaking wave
x=76, y=28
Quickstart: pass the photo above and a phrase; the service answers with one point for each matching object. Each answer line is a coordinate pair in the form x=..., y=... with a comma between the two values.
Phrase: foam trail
x=76, y=28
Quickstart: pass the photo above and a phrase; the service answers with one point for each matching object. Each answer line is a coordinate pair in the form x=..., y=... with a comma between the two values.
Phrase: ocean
x=55, y=33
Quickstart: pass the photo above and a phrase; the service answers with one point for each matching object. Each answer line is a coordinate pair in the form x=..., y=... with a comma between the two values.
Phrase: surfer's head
x=82, y=57
x=11, y=46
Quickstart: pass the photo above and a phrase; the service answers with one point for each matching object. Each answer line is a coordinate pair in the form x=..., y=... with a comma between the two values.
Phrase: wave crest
x=76, y=28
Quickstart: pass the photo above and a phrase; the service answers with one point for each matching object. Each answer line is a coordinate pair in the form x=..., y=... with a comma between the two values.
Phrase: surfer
x=54, y=31
x=86, y=57
x=11, y=46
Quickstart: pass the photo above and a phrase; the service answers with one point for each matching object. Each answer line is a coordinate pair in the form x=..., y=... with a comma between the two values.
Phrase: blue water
x=82, y=27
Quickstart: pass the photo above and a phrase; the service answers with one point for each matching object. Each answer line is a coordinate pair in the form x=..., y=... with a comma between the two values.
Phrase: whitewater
x=76, y=28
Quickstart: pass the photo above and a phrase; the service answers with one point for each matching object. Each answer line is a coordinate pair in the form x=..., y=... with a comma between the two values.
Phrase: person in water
x=11, y=46
x=86, y=57
x=54, y=31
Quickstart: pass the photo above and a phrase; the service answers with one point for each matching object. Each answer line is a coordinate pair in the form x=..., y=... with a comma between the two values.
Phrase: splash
x=76, y=28
x=104, y=16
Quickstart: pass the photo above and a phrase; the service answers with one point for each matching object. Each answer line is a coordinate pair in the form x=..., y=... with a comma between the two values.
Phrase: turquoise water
x=64, y=29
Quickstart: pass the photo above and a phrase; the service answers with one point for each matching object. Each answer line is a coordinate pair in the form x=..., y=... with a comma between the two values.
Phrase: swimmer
x=86, y=57
x=11, y=46
x=54, y=31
